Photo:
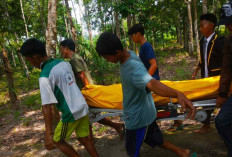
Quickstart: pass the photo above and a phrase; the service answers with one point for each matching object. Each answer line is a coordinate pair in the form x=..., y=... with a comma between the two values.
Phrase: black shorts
x=151, y=135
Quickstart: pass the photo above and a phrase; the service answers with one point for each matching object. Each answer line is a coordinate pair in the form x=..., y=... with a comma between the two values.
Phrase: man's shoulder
x=49, y=66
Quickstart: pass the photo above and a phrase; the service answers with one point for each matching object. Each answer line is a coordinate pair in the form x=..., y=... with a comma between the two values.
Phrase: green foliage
x=33, y=101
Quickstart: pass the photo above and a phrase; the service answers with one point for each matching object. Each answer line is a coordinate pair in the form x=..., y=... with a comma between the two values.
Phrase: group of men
x=60, y=84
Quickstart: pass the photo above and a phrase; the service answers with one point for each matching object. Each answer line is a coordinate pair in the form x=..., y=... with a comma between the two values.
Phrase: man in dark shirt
x=211, y=47
x=146, y=54
x=224, y=119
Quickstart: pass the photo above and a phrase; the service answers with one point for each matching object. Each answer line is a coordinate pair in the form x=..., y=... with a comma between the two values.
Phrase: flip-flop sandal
x=122, y=132
x=175, y=128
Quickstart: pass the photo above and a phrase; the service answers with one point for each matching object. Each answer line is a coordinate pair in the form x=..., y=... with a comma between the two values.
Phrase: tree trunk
x=9, y=76
x=73, y=30
x=1, y=67
x=180, y=37
x=118, y=32
x=66, y=26
x=131, y=46
x=13, y=58
x=196, y=29
x=185, y=31
x=204, y=6
x=51, y=34
x=124, y=33
x=42, y=17
x=191, y=48
x=24, y=20
x=16, y=36
x=134, y=19
x=102, y=27
x=88, y=22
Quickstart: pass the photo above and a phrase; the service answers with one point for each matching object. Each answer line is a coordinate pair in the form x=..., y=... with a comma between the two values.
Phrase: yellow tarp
x=110, y=97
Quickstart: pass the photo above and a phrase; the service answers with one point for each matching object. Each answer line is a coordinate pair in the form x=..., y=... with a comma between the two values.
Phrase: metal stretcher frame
x=96, y=113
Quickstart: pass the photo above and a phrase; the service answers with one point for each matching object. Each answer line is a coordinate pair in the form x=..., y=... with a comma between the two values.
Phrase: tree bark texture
x=51, y=34
x=9, y=76
x=118, y=32
x=204, y=6
x=129, y=20
x=191, y=48
x=24, y=19
x=196, y=29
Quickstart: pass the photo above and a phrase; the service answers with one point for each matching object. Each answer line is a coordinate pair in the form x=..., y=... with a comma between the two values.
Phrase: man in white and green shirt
x=58, y=87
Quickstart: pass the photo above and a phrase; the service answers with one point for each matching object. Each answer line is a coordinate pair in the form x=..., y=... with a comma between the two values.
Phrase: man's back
x=58, y=86
x=79, y=65
x=138, y=105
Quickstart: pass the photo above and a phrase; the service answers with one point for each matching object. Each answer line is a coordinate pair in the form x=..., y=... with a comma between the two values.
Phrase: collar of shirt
x=210, y=37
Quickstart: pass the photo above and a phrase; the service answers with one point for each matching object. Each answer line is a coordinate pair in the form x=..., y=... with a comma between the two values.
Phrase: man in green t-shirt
x=83, y=78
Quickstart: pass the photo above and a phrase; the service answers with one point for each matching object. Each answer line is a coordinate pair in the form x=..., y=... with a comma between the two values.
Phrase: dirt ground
x=20, y=140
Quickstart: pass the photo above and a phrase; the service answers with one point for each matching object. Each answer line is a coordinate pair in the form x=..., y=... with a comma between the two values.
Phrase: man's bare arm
x=83, y=78
x=165, y=91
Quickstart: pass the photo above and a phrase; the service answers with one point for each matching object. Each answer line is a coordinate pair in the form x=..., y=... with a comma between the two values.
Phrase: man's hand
x=194, y=74
x=49, y=143
x=186, y=104
x=220, y=101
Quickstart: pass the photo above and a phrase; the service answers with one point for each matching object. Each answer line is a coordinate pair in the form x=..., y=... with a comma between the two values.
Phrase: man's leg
x=134, y=140
x=67, y=149
x=154, y=138
x=117, y=126
x=206, y=124
x=89, y=146
x=63, y=131
x=82, y=132
x=223, y=124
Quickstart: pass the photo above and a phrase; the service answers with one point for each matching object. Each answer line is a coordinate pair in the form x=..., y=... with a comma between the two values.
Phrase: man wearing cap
x=224, y=119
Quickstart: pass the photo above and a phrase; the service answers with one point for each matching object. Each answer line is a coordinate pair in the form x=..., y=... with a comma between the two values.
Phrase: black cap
x=226, y=14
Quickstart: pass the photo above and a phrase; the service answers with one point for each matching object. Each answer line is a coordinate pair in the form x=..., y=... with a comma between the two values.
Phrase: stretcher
x=108, y=99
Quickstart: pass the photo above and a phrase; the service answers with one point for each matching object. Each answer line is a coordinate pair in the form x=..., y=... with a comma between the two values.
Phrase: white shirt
x=205, y=53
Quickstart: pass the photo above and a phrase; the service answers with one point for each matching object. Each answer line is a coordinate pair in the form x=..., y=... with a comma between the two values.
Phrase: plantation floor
x=21, y=133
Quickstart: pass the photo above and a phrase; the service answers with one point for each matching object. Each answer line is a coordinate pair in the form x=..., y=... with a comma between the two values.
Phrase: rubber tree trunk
x=190, y=43
x=73, y=29
x=66, y=26
x=9, y=76
x=131, y=44
x=21, y=60
x=51, y=34
x=43, y=23
x=204, y=6
x=124, y=33
x=13, y=58
x=196, y=29
x=24, y=19
x=118, y=32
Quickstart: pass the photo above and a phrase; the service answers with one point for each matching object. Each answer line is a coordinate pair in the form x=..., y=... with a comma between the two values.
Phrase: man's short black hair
x=33, y=47
x=136, y=28
x=209, y=17
x=108, y=43
x=68, y=43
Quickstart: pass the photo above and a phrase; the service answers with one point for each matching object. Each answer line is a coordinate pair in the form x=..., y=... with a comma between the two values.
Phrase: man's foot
x=176, y=128
x=184, y=153
x=121, y=130
x=203, y=130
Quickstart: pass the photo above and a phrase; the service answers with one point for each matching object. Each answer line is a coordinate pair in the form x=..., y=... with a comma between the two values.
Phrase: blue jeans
x=223, y=124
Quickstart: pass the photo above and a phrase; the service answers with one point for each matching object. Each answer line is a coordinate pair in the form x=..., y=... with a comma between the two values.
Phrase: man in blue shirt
x=146, y=54
x=138, y=107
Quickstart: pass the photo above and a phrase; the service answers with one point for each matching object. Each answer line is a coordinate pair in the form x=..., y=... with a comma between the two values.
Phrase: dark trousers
x=223, y=124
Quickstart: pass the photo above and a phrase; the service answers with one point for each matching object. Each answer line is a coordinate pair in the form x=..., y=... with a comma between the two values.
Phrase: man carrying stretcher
x=139, y=111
